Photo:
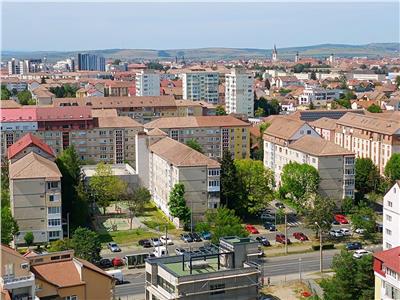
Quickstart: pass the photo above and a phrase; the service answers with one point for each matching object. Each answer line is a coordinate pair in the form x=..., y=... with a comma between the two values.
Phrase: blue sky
x=86, y=26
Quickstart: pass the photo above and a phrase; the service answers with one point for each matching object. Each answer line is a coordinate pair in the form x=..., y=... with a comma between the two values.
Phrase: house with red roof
x=29, y=143
x=387, y=274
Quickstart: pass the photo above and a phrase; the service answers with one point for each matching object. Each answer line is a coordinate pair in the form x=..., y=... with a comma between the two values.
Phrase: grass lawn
x=154, y=218
x=124, y=237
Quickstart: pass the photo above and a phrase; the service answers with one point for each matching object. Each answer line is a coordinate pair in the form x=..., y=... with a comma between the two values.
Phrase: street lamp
x=320, y=246
x=300, y=268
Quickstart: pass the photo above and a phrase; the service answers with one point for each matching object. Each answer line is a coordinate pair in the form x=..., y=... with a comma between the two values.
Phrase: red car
x=251, y=229
x=280, y=238
x=341, y=219
x=117, y=262
x=300, y=236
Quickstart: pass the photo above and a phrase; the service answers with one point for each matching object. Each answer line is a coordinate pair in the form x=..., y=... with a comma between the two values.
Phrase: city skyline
x=145, y=26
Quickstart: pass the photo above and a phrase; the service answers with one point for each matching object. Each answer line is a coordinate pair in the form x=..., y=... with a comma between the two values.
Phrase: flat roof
x=117, y=169
x=210, y=266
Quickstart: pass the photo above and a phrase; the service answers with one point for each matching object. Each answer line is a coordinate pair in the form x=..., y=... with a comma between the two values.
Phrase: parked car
x=336, y=233
x=160, y=251
x=360, y=253
x=263, y=241
x=180, y=251
x=205, y=235
x=166, y=240
x=300, y=236
x=280, y=238
x=186, y=238
x=341, y=219
x=145, y=243
x=104, y=263
x=354, y=246
x=345, y=231
x=118, y=276
x=359, y=230
x=270, y=226
x=156, y=242
x=251, y=229
x=279, y=205
x=267, y=216
x=117, y=262
x=113, y=247
x=195, y=237
x=334, y=222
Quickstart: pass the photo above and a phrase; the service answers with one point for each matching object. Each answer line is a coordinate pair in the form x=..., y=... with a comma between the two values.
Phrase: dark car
x=334, y=222
x=145, y=243
x=263, y=241
x=354, y=246
x=280, y=238
x=279, y=205
x=270, y=226
x=104, y=263
x=195, y=237
x=186, y=238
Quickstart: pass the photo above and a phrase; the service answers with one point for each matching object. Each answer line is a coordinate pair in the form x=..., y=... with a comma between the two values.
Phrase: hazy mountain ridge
x=220, y=53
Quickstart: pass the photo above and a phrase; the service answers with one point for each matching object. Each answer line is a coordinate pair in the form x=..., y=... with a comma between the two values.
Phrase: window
x=53, y=210
x=54, y=234
x=308, y=131
x=388, y=246
x=165, y=285
x=217, y=288
x=54, y=222
x=390, y=204
x=388, y=231
x=73, y=297
x=213, y=172
x=389, y=218
x=213, y=183
x=52, y=184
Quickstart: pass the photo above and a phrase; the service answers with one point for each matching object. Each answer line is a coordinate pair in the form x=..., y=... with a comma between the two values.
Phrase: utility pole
x=166, y=239
x=320, y=247
x=300, y=268
x=191, y=217
x=286, y=241
x=68, y=225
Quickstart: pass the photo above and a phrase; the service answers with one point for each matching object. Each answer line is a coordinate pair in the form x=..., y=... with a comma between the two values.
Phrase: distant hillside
x=369, y=50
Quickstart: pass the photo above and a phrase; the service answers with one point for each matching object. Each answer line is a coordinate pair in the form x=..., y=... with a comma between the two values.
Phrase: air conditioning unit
x=24, y=266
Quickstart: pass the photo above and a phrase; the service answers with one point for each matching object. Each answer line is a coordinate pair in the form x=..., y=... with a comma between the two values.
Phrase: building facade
x=91, y=62
x=200, y=86
x=387, y=274
x=318, y=96
x=239, y=92
x=391, y=217
x=147, y=83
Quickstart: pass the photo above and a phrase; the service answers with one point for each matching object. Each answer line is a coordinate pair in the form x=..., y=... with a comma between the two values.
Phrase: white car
x=360, y=253
x=166, y=240
x=359, y=230
x=345, y=231
x=336, y=233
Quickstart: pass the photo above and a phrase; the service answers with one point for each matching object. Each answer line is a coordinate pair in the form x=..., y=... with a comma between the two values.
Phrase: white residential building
x=147, y=83
x=200, y=86
x=239, y=92
x=317, y=95
x=387, y=274
x=391, y=217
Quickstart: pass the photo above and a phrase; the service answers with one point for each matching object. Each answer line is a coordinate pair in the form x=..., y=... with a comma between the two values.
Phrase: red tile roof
x=63, y=113
x=18, y=114
x=26, y=141
x=390, y=258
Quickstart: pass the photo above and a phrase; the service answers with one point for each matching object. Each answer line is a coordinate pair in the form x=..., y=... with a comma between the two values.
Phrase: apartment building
x=17, y=281
x=114, y=88
x=35, y=190
x=227, y=272
x=387, y=274
x=147, y=83
x=391, y=217
x=318, y=95
x=369, y=136
x=325, y=127
x=239, y=92
x=166, y=162
x=91, y=62
x=104, y=138
x=288, y=140
x=60, y=275
x=200, y=86
x=213, y=133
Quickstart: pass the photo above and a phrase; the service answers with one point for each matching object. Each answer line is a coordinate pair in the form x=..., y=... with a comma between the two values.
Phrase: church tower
x=274, y=54
x=297, y=57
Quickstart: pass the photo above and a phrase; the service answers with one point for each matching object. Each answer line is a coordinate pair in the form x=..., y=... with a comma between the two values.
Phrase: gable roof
x=118, y=122
x=26, y=141
x=390, y=258
x=369, y=122
x=34, y=166
x=284, y=127
x=324, y=123
x=318, y=146
x=193, y=122
x=181, y=155
x=156, y=132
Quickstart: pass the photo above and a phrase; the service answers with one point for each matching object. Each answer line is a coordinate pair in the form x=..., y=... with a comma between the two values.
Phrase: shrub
x=324, y=246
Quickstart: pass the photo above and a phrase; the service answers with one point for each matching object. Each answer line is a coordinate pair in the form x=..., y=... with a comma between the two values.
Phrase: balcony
x=10, y=282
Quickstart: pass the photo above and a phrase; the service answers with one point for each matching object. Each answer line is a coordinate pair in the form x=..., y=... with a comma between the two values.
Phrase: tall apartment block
x=91, y=62
x=239, y=92
x=35, y=190
x=391, y=217
x=200, y=86
x=147, y=83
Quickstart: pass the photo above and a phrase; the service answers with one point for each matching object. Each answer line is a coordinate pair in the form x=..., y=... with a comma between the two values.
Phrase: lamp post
x=320, y=246
x=300, y=268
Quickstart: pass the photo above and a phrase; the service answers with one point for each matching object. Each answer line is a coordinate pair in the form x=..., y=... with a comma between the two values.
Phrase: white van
x=160, y=251
x=117, y=274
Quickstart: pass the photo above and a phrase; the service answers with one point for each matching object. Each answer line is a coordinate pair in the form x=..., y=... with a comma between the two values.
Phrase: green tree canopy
x=358, y=286
x=259, y=112
x=60, y=245
x=25, y=98
x=257, y=183
x=64, y=91
x=373, y=108
x=9, y=226
x=106, y=187
x=298, y=180
x=220, y=110
x=86, y=244
x=320, y=211
x=29, y=238
x=364, y=217
x=367, y=177
x=5, y=93
x=397, y=81
x=136, y=201
x=177, y=203
x=194, y=144
x=270, y=107
x=231, y=192
x=392, y=168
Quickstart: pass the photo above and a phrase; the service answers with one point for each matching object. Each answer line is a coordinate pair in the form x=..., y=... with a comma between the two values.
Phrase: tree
x=311, y=106
x=137, y=201
x=194, y=144
x=364, y=218
x=320, y=211
x=258, y=153
x=29, y=238
x=230, y=183
x=60, y=245
x=313, y=75
x=42, y=80
x=223, y=222
x=116, y=62
x=256, y=182
x=259, y=112
x=270, y=107
x=397, y=80
x=177, y=203
x=355, y=287
x=5, y=93
x=106, y=187
x=348, y=205
x=25, y=98
x=298, y=180
x=9, y=227
x=14, y=91
x=392, y=168
x=373, y=108
x=367, y=177
x=86, y=244
x=220, y=110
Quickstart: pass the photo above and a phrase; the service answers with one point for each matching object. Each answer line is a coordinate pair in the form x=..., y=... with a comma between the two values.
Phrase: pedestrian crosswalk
x=294, y=224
